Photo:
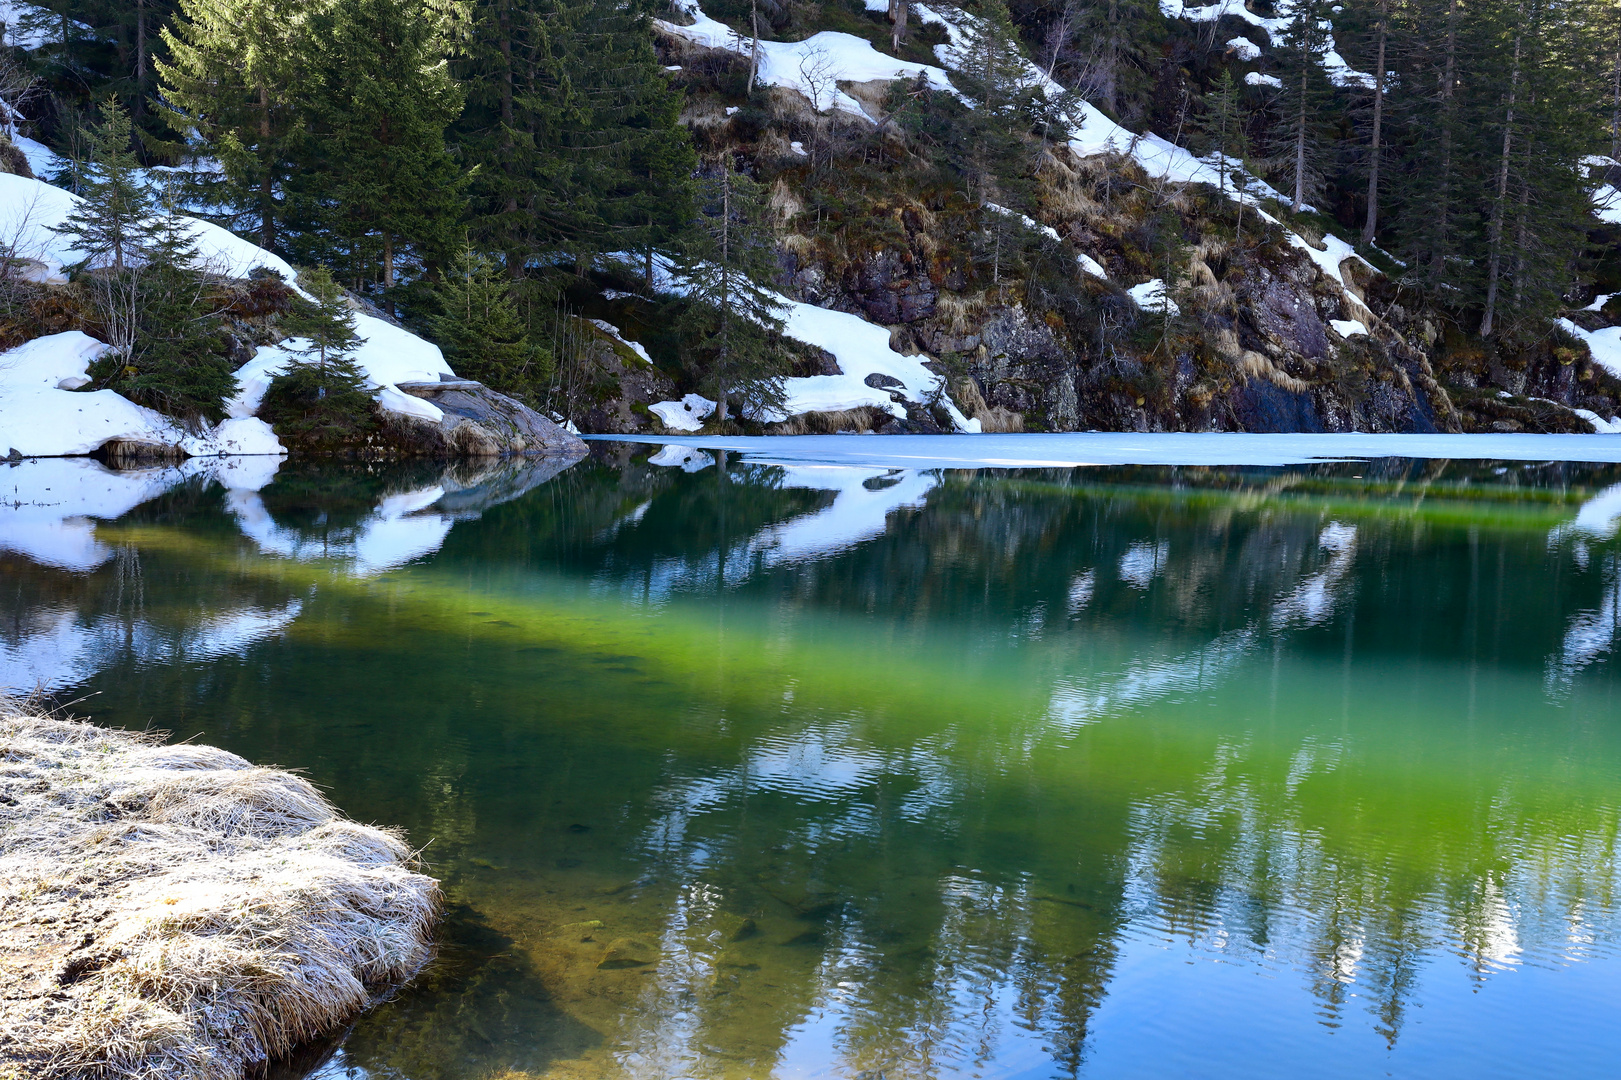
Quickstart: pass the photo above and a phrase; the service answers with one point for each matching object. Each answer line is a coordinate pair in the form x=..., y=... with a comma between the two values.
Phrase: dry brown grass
x=175, y=912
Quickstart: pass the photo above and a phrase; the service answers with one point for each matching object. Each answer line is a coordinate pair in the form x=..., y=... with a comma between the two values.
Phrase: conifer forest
x=1379, y=215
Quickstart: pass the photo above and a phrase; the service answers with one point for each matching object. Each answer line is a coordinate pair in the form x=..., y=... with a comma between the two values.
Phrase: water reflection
x=737, y=769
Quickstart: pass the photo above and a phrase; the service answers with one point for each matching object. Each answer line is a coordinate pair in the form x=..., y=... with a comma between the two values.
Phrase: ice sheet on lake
x=1037, y=451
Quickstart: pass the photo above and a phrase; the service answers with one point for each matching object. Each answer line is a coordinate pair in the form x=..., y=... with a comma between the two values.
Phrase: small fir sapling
x=482, y=333
x=320, y=402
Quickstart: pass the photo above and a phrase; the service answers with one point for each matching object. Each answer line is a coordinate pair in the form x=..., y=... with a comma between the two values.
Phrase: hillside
x=848, y=216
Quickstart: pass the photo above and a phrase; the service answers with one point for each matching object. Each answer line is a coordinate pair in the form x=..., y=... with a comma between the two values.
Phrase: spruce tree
x=732, y=317
x=375, y=186
x=110, y=221
x=231, y=77
x=571, y=128
x=177, y=365
x=484, y=337
x=1305, y=97
x=320, y=402
x=1223, y=125
x=990, y=148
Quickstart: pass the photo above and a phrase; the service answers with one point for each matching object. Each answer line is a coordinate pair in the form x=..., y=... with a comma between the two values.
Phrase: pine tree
x=1305, y=97
x=320, y=402
x=732, y=316
x=572, y=129
x=992, y=73
x=110, y=219
x=1223, y=125
x=231, y=77
x=177, y=365
x=481, y=332
x=375, y=187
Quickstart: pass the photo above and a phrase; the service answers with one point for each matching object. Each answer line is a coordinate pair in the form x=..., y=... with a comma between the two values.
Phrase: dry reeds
x=175, y=912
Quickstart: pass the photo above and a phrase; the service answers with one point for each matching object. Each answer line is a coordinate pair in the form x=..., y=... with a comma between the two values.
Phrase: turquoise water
x=741, y=770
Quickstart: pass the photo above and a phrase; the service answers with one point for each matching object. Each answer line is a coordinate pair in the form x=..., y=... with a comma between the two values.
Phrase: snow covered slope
x=851, y=59
x=41, y=416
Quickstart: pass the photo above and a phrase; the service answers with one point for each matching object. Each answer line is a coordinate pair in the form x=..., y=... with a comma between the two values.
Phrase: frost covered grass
x=173, y=911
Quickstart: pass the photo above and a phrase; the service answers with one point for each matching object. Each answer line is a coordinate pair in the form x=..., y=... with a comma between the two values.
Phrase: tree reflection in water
x=737, y=768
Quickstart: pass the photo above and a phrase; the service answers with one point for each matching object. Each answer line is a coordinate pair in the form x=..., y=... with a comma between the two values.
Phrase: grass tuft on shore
x=174, y=911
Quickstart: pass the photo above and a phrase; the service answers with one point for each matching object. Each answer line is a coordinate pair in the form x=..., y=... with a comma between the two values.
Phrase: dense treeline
x=460, y=162
x=1455, y=136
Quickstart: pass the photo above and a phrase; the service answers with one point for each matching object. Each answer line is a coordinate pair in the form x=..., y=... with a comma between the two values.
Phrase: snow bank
x=1604, y=344
x=814, y=67
x=1612, y=426
x=40, y=419
x=387, y=356
x=41, y=415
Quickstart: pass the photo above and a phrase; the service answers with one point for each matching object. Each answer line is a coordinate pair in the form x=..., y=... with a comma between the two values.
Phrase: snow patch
x=1256, y=78
x=613, y=331
x=1151, y=296
x=688, y=414
x=1601, y=426
x=1244, y=48
x=1603, y=344
x=1346, y=328
x=814, y=67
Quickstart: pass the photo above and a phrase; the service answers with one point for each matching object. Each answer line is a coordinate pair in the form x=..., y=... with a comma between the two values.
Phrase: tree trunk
x=725, y=292
x=1300, y=116
x=1615, y=101
x=1494, y=261
x=1371, y=225
x=140, y=57
x=1111, y=60
x=897, y=18
x=509, y=206
x=754, y=51
x=267, y=187
x=1443, y=202
x=388, y=272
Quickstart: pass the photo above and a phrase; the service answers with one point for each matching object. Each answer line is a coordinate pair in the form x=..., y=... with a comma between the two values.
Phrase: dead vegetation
x=173, y=911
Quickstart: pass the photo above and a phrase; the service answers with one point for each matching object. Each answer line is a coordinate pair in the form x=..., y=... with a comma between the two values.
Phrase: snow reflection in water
x=916, y=774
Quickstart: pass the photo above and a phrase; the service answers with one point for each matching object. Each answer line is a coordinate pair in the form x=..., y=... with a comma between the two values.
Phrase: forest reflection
x=736, y=769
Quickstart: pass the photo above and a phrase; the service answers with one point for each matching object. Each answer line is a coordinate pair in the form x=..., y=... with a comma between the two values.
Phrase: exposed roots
x=175, y=912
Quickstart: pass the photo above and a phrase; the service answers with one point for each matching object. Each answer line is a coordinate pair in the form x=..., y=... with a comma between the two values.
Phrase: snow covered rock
x=474, y=421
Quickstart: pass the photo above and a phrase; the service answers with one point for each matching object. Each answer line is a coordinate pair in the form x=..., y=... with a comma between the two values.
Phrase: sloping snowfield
x=1118, y=448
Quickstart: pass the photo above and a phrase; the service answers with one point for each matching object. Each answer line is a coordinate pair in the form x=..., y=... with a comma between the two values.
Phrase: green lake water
x=738, y=770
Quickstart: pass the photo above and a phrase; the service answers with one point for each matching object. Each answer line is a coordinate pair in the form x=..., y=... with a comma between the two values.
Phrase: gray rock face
x=479, y=422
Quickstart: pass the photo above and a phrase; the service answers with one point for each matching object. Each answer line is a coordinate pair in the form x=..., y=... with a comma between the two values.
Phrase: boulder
x=479, y=422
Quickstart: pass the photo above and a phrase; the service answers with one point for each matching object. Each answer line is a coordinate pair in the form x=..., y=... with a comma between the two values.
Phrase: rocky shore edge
x=175, y=911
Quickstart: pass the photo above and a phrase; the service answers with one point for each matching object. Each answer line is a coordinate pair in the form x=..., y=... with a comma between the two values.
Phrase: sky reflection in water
x=736, y=769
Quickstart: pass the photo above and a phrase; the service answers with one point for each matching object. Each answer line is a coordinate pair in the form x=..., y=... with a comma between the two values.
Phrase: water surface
x=736, y=769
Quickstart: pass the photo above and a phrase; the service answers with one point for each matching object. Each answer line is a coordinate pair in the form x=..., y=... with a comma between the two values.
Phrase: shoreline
x=174, y=911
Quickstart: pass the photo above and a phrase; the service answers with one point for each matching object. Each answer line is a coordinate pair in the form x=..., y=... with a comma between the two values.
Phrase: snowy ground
x=1117, y=448
x=41, y=412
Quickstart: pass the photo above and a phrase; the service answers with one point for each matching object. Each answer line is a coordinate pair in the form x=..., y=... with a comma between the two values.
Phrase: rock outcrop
x=478, y=422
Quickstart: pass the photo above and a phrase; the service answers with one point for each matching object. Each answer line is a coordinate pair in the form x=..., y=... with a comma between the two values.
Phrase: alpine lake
x=735, y=769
